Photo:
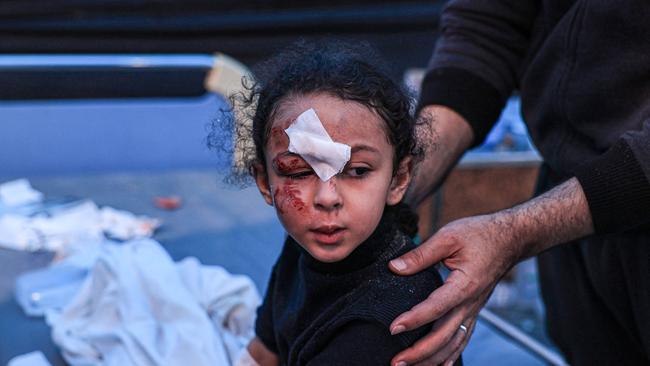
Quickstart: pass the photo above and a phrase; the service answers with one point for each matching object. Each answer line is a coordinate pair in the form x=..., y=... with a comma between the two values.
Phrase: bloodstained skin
x=285, y=166
x=288, y=195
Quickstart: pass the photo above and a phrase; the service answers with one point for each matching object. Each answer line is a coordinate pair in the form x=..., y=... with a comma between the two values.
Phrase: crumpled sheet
x=137, y=307
x=35, y=358
x=68, y=228
x=246, y=359
x=18, y=193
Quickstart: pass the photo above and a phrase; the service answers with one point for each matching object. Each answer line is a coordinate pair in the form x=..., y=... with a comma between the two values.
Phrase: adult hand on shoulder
x=478, y=251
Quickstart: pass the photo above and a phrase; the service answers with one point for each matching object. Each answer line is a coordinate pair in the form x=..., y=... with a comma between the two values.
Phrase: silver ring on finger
x=463, y=328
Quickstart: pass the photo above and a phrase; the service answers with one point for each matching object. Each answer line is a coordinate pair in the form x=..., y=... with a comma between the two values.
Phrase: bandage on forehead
x=309, y=139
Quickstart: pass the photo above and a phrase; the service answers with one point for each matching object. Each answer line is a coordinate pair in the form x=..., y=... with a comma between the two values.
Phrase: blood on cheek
x=287, y=197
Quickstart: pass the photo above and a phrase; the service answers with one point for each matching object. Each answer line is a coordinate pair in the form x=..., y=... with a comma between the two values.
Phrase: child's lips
x=328, y=234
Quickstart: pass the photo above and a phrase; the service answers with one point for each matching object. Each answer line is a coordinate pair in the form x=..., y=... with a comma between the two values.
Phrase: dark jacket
x=583, y=71
x=317, y=313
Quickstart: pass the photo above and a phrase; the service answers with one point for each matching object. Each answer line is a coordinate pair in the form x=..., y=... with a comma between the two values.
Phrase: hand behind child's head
x=358, y=105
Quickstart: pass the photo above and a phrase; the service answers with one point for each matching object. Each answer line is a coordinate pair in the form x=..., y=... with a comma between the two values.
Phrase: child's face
x=330, y=219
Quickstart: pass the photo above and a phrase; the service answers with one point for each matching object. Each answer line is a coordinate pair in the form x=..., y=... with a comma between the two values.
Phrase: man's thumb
x=416, y=260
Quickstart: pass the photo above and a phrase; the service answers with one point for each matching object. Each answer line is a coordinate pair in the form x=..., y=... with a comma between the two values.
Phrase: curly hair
x=348, y=71
x=345, y=70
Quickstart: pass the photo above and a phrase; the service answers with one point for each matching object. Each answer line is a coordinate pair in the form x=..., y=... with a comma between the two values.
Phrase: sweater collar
x=382, y=244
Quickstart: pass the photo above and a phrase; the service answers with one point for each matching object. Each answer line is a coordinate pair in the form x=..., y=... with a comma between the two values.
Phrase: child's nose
x=327, y=196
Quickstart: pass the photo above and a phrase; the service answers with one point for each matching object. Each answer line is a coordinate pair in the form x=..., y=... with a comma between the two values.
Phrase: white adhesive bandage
x=309, y=139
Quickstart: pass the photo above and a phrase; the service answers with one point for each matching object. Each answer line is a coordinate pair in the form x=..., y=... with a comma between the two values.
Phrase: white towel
x=136, y=307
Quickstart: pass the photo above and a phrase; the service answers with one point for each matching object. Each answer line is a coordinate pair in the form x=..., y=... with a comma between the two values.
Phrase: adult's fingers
x=448, y=350
x=453, y=292
x=454, y=348
x=456, y=354
x=442, y=333
x=470, y=323
x=424, y=256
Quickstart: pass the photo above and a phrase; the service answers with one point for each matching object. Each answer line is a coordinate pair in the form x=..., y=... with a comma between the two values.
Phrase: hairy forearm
x=447, y=135
x=557, y=216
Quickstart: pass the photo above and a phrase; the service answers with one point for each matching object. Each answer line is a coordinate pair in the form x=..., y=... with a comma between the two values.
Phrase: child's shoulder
x=415, y=287
x=388, y=295
x=401, y=293
x=409, y=290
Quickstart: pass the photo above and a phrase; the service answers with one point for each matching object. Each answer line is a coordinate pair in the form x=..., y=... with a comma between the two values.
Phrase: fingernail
x=401, y=363
x=449, y=363
x=398, y=264
x=397, y=330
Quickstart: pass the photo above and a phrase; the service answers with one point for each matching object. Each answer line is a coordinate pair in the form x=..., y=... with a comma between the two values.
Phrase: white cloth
x=137, y=308
x=35, y=358
x=245, y=359
x=309, y=139
x=72, y=227
x=19, y=192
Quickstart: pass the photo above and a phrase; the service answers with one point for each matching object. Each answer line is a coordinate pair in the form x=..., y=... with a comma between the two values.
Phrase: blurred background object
x=246, y=30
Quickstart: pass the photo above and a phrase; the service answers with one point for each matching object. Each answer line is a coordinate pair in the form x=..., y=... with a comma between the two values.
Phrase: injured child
x=334, y=149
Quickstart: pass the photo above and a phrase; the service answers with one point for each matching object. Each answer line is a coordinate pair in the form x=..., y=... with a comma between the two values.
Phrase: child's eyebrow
x=357, y=148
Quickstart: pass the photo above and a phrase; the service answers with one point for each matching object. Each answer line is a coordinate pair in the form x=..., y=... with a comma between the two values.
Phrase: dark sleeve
x=617, y=184
x=480, y=50
x=359, y=342
x=264, y=328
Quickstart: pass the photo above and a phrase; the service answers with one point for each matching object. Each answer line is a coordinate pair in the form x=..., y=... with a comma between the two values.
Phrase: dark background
x=403, y=31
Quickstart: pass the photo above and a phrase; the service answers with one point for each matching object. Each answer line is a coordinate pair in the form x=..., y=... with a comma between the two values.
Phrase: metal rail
x=527, y=342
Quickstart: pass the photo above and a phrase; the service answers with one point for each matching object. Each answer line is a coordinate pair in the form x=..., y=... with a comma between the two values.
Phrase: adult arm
x=472, y=73
x=474, y=69
x=617, y=183
x=478, y=251
x=450, y=135
x=609, y=194
x=477, y=58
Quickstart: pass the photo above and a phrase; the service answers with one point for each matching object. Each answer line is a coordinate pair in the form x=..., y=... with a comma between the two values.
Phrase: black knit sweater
x=581, y=68
x=317, y=313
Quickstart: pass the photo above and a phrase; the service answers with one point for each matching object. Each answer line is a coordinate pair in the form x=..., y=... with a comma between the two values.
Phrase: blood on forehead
x=288, y=197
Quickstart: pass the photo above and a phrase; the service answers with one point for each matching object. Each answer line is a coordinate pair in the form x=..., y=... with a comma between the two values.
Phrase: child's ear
x=262, y=181
x=400, y=182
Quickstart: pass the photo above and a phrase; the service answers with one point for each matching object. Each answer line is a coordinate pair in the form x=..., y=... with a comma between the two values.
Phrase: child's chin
x=329, y=255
